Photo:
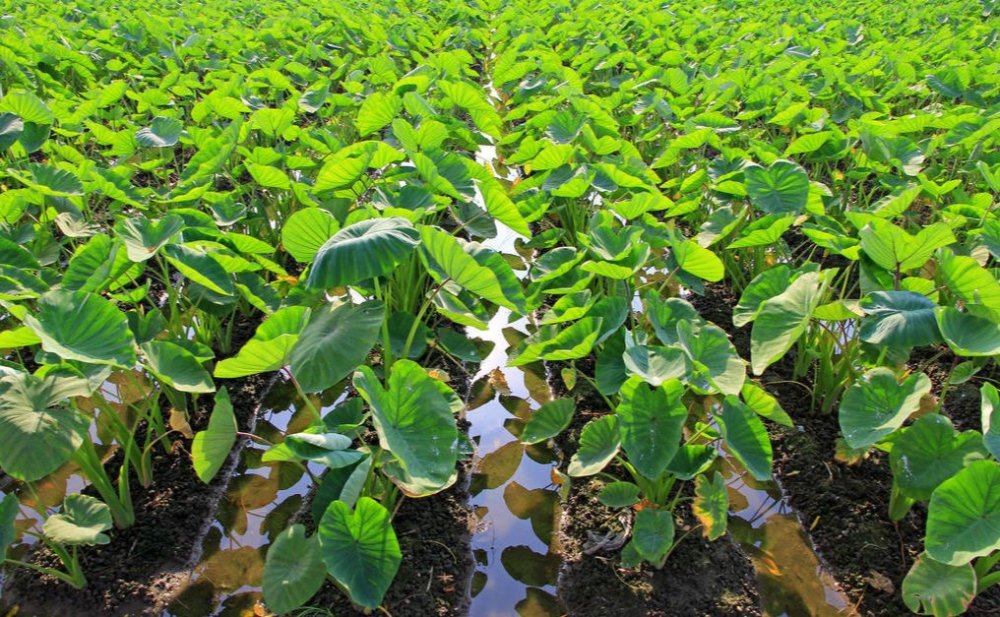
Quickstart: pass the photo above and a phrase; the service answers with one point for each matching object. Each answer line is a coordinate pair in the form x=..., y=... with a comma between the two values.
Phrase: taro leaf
x=341, y=484
x=711, y=504
x=899, y=319
x=9, y=509
x=211, y=447
x=52, y=181
x=664, y=315
x=971, y=282
x=968, y=335
x=691, y=460
x=746, y=437
x=990, y=401
x=377, y=111
x=717, y=367
x=782, y=188
x=83, y=521
x=610, y=371
x=698, y=261
x=268, y=176
x=619, y=495
x=935, y=588
x=599, y=443
x=177, y=367
x=651, y=424
x=416, y=423
x=653, y=533
x=201, y=267
x=931, y=451
x=892, y=248
x=335, y=342
x=270, y=347
x=96, y=265
x=447, y=259
x=162, y=133
x=360, y=549
x=877, y=405
x=38, y=434
x=362, y=251
x=143, y=238
x=783, y=319
x=293, y=571
x=77, y=325
x=11, y=127
x=765, y=405
x=963, y=518
x=548, y=420
x=28, y=106
x=330, y=449
x=763, y=287
x=656, y=364
x=576, y=341
x=306, y=231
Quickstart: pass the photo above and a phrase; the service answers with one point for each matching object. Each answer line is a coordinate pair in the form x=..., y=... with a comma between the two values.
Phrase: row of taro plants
x=314, y=170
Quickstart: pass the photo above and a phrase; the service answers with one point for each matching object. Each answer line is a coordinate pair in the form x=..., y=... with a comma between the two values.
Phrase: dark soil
x=134, y=574
x=700, y=578
x=845, y=507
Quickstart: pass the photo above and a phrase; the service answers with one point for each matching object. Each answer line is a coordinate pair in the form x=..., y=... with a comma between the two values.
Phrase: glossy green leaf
x=968, y=335
x=294, y=570
x=360, y=549
x=653, y=533
x=77, y=325
x=270, y=348
x=899, y=319
x=162, y=133
x=176, y=367
x=963, y=518
x=548, y=420
x=211, y=447
x=782, y=188
x=362, y=251
x=711, y=505
x=929, y=452
x=619, y=495
x=415, y=421
x=935, y=588
x=82, y=521
x=599, y=443
x=337, y=340
x=746, y=437
x=306, y=231
x=876, y=405
x=783, y=319
x=39, y=432
x=651, y=424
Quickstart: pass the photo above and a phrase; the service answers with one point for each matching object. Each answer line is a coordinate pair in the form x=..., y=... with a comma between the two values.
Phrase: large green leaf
x=968, y=335
x=306, y=231
x=446, y=254
x=990, y=404
x=10, y=507
x=935, y=588
x=766, y=285
x=700, y=262
x=211, y=447
x=548, y=420
x=576, y=341
x=335, y=342
x=599, y=443
x=377, y=111
x=899, y=319
x=416, y=423
x=83, y=520
x=271, y=346
x=143, y=237
x=931, y=451
x=294, y=570
x=38, y=433
x=77, y=325
x=783, y=319
x=11, y=127
x=746, y=437
x=28, y=106
x=162, y=133
x=201, y=267
x=651, y=424
x=360, y=549
x=972, y=283
x=362, y=251
x=177, y=367
x=782, y=188
x=963, y=518
x=877, y=404
x=893, y=248
x=653, y=533
x=716, y=366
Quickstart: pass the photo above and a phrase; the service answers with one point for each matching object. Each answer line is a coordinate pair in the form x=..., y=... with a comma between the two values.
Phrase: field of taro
x=496, y=308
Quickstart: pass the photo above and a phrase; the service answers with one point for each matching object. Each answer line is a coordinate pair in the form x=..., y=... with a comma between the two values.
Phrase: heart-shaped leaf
x=335, y=342
x=362, y=251
x=211, y=447
x=935, y=588
x=651, y=423
x=781, y=188
x=77, y=325
x=83, y=520
x=548, y=421
x=877, y=404
x=294, y=570
x=963, y=518
x=360, y=549
x=931, y=451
